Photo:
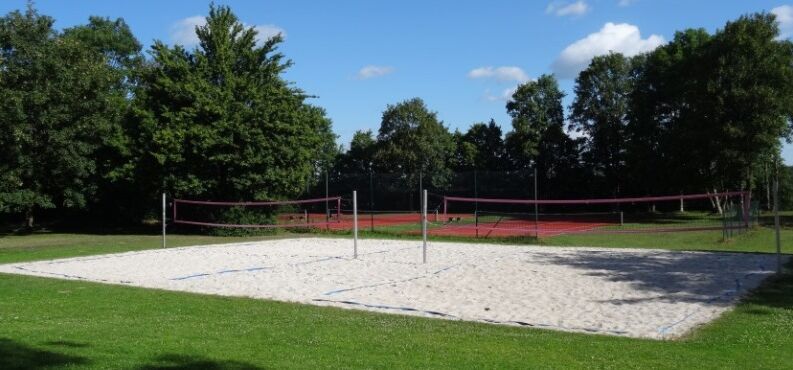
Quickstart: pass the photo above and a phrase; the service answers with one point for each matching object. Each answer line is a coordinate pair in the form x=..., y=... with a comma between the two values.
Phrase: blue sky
x=461, y=57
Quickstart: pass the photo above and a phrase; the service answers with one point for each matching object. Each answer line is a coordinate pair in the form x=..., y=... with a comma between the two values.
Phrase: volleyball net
x=730, y=212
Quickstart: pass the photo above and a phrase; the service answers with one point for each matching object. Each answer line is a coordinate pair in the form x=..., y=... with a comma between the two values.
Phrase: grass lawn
x=48, y=322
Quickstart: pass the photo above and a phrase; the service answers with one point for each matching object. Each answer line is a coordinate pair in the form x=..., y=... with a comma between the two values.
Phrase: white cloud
x=562, y=9
x=268, y=31
x=503, y=73
x=372, y=71
x=504, y=96
x=183, y=31
x=619, y=38
x=784, y=15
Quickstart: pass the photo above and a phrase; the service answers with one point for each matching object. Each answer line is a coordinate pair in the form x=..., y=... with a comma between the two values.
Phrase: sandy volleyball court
x=637, y=293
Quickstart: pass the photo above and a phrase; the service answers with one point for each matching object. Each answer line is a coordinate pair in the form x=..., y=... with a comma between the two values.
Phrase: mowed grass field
x=49, y=323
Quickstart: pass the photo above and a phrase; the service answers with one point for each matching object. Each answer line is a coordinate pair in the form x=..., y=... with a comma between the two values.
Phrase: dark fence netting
x=502, y=203
x=401, y=192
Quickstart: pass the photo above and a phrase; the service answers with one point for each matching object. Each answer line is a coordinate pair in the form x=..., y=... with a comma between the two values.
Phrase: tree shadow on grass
x=66, y=343
x=14, y=355
x=184, y=362
x=776, y=292
x=706, y=278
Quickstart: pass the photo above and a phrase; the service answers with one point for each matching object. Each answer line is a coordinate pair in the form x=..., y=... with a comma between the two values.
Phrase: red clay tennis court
x=494, y=230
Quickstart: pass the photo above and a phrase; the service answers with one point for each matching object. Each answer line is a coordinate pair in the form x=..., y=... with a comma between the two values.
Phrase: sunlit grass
x=47, y=322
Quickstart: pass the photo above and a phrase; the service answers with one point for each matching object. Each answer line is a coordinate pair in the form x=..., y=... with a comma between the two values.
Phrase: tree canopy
x=220, y=122
x=62, y=100
x=412, y=141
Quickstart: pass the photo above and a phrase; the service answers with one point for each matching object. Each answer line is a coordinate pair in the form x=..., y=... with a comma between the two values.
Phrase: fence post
x=476, y=204
x=724, y=225
x=776, y=226
x=536, y=207
x=424, y=225
x=371, y=198
x=421, y=186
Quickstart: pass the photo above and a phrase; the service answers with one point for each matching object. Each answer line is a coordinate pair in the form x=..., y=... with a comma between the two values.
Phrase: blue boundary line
x=76, y=277
x=251, y=269
x=446, y=315
x=337, y=291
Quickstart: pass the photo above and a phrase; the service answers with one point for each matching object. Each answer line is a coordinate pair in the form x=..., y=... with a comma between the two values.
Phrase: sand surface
x=628, y=292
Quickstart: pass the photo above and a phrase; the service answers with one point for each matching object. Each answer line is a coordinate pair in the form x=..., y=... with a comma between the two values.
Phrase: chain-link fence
x=390, y=203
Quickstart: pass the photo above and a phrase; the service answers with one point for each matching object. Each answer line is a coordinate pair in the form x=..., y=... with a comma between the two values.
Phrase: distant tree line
x=703, y=113
x=90, y=128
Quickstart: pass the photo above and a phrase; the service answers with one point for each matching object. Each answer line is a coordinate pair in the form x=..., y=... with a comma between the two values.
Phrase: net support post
x=746, y=209
x=424, y=226
x=355, y=224
x=164, y=205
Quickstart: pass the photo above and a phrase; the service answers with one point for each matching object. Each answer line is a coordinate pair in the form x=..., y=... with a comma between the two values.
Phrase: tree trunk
x=29, y=218
x=716, y=202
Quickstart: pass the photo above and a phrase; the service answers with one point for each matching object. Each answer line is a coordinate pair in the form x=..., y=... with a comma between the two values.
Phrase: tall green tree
x=488, y=146
x=750, y=86
x=662, y=150
x=466, y=155
x=116, y=197
x=600, y=112
x=220, y=122
x=60, y=111
x=359, y=157
x=534, y=107
x=412, y=141
x=538, y=137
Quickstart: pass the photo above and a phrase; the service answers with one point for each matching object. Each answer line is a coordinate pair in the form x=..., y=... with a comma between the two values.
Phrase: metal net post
x=355, y=224
x=327, y=205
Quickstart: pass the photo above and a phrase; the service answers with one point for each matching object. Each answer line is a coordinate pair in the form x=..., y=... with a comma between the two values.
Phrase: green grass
x=39, y=246
x=759, y=239
x=57, y=323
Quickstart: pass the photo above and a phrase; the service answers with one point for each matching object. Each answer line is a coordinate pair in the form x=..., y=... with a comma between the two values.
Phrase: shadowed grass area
x=58, y=323
x=15, y=355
